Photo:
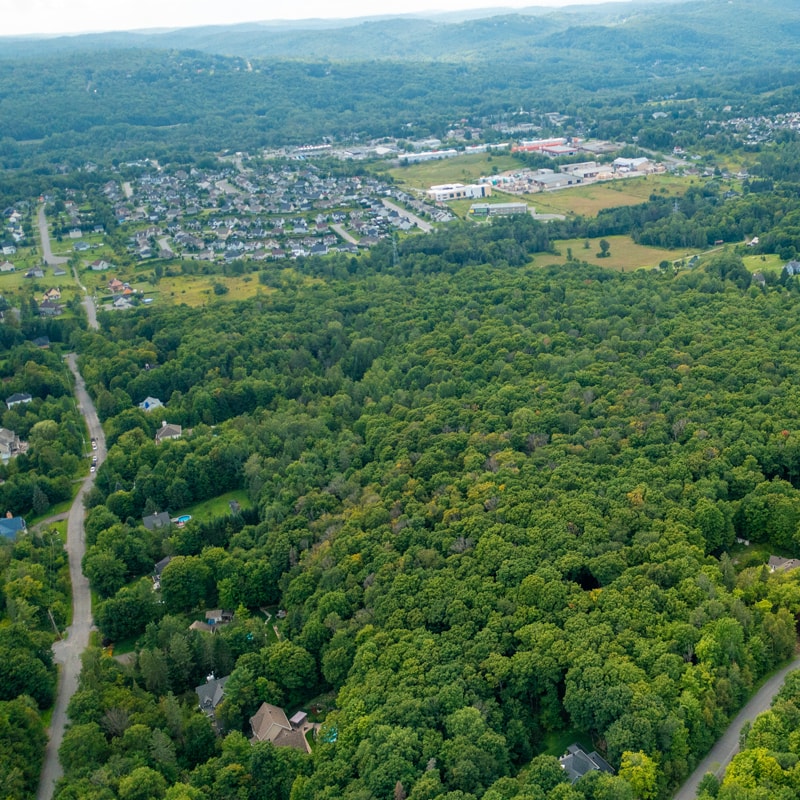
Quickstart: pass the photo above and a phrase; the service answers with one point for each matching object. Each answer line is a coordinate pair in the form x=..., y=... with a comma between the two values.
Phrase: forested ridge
x=180, y=95
x=496, y=504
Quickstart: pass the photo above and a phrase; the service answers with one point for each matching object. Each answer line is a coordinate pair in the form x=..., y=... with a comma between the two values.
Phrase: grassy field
x=198, y=290
x=462, y=169
x=217, y=506
x=589, y=200
x=769, y=263
x=624, y=255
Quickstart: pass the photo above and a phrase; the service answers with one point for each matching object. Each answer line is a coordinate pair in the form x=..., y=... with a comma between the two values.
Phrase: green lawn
x=766, y=263
x=556, y=743
x=216, y=506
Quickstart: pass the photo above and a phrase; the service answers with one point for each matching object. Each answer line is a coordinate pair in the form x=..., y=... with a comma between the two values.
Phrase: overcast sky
x=77, y=16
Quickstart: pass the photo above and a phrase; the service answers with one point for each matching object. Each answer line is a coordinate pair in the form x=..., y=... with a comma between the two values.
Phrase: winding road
x=727, y=746
x=67, y=652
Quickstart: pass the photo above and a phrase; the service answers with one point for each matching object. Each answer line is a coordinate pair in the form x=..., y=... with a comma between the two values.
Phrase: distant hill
x=486, y=34
x=195, y=90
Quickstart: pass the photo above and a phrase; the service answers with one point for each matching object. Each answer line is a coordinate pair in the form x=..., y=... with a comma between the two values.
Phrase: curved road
x=67, y=652
x=727, y=746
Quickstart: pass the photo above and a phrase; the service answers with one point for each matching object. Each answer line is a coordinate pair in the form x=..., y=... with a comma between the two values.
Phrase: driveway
x=67, y=652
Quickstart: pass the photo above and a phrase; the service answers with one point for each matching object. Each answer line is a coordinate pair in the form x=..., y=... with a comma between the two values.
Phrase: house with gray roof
x=210, y=694
x=576, y=762
x=17, y=398
x=155, y=521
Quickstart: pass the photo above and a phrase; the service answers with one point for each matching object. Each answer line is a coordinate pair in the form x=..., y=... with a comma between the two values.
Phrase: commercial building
x=497, y=209
x=458, y=191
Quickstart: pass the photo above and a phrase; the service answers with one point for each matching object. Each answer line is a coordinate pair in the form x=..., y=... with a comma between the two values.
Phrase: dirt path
x=728, y=744
x=67, y=652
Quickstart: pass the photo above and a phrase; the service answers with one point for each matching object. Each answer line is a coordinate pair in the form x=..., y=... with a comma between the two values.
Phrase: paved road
x=348, y=237
x=418, y=221
x=728, y=745
x=67, y=652
x=49, y=258
x=44, y=235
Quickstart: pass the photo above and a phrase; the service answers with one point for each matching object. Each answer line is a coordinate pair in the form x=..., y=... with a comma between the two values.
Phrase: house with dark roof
x=47, y=308
x=210, y=694
x=576, y=762
x=155, y=521
x=17, y=398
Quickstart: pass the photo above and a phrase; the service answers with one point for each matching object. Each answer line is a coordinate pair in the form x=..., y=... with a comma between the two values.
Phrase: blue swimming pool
x=184, y=518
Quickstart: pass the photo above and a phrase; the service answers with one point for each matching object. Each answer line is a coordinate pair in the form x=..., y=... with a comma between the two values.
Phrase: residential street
x=44, y=235
x=728, y=745
x=67, y=652
x=49, y=258
x=418, y=221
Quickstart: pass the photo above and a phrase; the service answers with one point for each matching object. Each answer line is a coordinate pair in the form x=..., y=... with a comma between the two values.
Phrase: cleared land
x=624, y=254
x=462, y=169
x=588, y=200
x=216, y=506
x=767, y=263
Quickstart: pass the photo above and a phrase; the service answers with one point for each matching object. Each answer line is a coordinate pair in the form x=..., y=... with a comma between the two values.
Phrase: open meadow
x=624, y=254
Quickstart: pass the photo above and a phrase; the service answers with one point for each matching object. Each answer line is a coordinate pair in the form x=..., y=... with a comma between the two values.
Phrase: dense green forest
x=496, y=503
x=492, y=509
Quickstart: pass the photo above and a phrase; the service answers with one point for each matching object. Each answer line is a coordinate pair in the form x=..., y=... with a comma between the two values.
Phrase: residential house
x=59, y=271
x=168, y=431
x=115, y=285
x=17, y=398
x=35, y=272
x=778, y=564
x=150, y=404
x=10, y=445
x=158, y=520
x=47, y=308
x=203, y=627
x=269, y=724
x=576, y=762
x=122, y=304
x=53, y=293
x=99, y=265
x=7, y=266
x=792, y=268
x=218, y=616
x=158, y=567
x=10, y=526
x=210, y=694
